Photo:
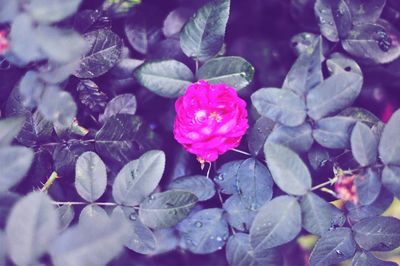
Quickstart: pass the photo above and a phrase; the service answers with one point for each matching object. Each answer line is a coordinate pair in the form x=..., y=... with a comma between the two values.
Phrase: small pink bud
x=346, y=188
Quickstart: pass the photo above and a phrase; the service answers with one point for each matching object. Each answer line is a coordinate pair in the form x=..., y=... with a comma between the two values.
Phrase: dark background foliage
x=84, y=81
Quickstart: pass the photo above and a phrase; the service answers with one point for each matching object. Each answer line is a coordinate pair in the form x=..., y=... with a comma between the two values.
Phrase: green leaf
x=90, y=176
x=254, y=184
x=364, y=144
x=92, y=213
x=334, y=132
x=391, y=179
x=368, y=186
x=166, y=209
x=14, y=164
x=204, y=231
x=8, y=10
x=239, y=252
x=234, y=71
x=35, y=130
x=3, y=248
x=142, y=30
x=193, y=184
x=334, y=94
x=105, y=51
x=66, y=214
x=138, y=178
x=122, y=104
x=306, y=72
x=167, y=78
x=204, y=33
x=333, y=247
x=288, y=170
x=141, y=239
x=31, y=227
x=377, y=43
x=124, y=137
x=272, y=228
x=9, y=129
x=323, y=11
x=338, y=63
x=378, y=233
x=23, y=41
x=58, y=106
x=319, y=216
x=389, y=145
x=238, y=215
x=366, y=258
x=90, y=244
x=53, y=40
x=282, y=106
x=298, y=138
x=258, y=134
x=49, y=11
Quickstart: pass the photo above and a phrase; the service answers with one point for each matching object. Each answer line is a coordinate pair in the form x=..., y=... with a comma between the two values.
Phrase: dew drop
x=198, y=224
x=253, y=206
x=384, y=41
x=191, y=242
x=220, y=177
x=219, y=238
x=133, y=216
x=339, y=253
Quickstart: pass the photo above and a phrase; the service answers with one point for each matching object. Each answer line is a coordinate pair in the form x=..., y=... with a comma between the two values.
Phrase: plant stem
x=49, y=182
x=209, y=170
x=242, y=152
x=84, y=203
x=330, y=182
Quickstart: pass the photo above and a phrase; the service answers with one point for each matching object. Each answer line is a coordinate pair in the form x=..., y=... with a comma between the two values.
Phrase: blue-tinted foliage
x=87, y=120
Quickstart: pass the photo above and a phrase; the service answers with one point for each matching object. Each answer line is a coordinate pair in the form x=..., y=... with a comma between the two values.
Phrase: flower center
x=215, y=116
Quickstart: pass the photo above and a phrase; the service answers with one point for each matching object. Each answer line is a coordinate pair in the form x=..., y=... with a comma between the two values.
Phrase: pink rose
x=3, y=42
x=211, y=119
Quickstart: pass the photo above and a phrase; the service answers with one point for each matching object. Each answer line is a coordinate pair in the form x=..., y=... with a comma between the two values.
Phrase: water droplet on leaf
x=198, y=224
x=339, y=253
x=220, y=177
x=133, y=216
x=384, y=41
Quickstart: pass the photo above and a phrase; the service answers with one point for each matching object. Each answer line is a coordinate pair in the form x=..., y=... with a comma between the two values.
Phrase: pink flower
x=211, y=119
x=346, y=188
x=3, y=42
